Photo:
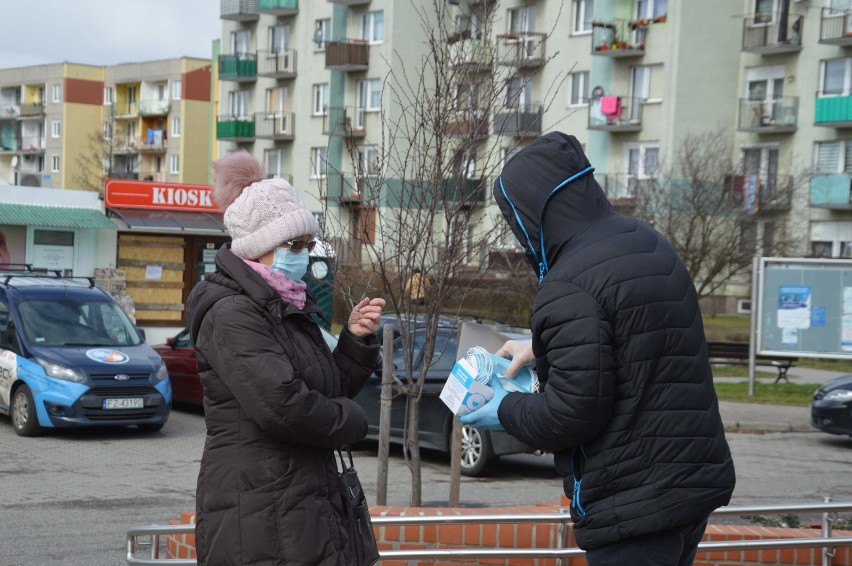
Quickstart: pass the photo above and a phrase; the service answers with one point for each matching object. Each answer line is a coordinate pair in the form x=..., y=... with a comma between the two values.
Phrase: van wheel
x=476, y=451
x=23, y=412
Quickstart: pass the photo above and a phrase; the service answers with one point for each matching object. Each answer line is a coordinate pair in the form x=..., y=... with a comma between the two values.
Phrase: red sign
x=123, y=193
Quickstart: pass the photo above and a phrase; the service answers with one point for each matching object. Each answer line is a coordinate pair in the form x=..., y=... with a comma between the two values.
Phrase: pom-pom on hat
x=260, y=213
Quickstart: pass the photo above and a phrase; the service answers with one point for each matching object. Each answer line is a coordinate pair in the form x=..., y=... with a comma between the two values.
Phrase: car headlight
x=162, y=373
x=838, y=396
x=60, y=372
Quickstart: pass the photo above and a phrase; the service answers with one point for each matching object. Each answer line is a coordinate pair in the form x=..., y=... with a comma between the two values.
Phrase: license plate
x=134, y=403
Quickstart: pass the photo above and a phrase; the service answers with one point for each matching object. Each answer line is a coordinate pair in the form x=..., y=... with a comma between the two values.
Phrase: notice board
x=805, y=307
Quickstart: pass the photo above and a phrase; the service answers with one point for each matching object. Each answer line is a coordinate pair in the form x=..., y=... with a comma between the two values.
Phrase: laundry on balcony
x=611, y=107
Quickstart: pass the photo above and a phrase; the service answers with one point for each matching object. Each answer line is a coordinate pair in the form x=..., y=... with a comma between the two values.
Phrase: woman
x=277, y=401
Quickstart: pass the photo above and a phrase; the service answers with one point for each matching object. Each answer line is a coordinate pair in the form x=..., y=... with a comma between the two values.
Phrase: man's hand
x=485, y=417
x=520, y=352
x=366, y=316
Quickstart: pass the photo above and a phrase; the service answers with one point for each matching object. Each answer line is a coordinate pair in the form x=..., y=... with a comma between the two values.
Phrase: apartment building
x=305, y=83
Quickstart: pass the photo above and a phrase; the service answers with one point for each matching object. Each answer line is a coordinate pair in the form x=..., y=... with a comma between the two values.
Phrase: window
x=522, y=20
x=320, y=218
x=57, y=93
x=162, y=89
x=108, y=95
x=241, y=42
x=643, y=160
x=174, y=164
x=319, y=162
x=649, y=9
x=273, y=161
x=370, y=95
x=583, y=16
x=322, y=32
x=373, y=26
x=835, y=76
x=280, y=36
x=833, y=157
x=107, y=130
x=369, y=161
x=763, y=11
x=54, y=163
x=276, y=100
x=578, y=88
x=518, y=94
x=646, y=85
x=320, y=99
x=177, y=89
x=238, y=103
x=176, y=127
x=762, y=162
x=55, y=129
x=463, y=163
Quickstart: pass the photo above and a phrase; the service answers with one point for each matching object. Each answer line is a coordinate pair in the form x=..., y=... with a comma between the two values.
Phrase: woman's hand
x=366, y=317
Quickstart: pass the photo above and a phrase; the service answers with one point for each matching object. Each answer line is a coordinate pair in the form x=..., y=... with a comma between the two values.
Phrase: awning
x=169, y=220
x=54, y=216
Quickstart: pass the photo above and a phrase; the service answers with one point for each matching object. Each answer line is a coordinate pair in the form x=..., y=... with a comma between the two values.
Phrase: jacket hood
x=548, y=195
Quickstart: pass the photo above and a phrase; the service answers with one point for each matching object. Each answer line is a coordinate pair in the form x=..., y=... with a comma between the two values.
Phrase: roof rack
x=14, y=270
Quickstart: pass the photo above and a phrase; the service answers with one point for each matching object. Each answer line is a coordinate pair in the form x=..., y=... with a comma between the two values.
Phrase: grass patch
x=775, y=393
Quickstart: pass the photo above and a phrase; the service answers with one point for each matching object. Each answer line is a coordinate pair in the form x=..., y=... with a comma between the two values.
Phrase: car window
x=67, y=322
x=8, y=334
x=182, y=340
x=444, y=356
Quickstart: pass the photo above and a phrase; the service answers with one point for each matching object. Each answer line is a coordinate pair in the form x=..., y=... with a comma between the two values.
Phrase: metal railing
x=150, y=540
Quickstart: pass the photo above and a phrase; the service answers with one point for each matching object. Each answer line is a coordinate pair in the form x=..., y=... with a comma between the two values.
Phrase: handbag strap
x=342, y=461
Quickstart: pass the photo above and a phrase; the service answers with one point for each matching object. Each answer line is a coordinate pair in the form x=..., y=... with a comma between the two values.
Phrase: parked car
x=479, y=447
x=179, y=356
x=831, y=408
x=71, y=357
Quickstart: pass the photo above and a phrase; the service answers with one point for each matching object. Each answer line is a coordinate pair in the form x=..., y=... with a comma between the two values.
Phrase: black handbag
x=360, y=527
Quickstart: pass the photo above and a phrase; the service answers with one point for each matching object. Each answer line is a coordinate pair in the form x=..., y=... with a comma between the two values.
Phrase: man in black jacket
x=627, y=405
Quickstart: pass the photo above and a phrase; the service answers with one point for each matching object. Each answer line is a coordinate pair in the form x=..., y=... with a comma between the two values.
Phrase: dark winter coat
x=629, y=406
x=276, y=403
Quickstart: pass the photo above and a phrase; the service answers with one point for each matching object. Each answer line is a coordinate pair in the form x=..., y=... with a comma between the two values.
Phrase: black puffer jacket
x=276, y=401
x=628, y=406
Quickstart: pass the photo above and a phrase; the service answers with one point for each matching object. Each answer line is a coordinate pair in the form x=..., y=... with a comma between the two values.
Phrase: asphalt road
x=68, y=498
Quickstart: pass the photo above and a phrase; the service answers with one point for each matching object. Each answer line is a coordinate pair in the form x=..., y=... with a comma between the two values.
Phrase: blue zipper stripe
x=517, y=217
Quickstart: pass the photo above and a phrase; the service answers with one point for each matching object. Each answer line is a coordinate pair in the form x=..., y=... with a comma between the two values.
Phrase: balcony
x=155, y=141
x=347, y=55
x=345, y=122
x=615, y=114
x=153, y=107
x=775, y=116
x=770, y=34
x=469, y=192
x=350, y=2
x=622, y=189
x=125, y=146
x=238, y=67
x=278, y=7
x=31, y=110
x=832, y=191
x=466, y=124
x=619, y=38
x=277, y=64
x=130, y=175
x=239, y=10
x=9, y=111
x=235, y=128
x=346, y=190
x=835, y=27
x=522, y=50
x=468, y=53
x=32, y=144
x=762, y=193
x=125, y=109
x=521, y=122
x=833, y=110
x=274, y=125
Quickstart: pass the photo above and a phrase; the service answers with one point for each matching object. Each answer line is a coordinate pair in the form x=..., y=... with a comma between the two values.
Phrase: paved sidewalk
x=762, y=418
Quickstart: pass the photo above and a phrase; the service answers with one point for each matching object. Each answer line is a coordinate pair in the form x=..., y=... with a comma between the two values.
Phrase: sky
x=105, y=32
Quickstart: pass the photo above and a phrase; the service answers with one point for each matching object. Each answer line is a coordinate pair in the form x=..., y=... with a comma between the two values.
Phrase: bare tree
x=715, y=215
x=414, y=206
x=95, y=161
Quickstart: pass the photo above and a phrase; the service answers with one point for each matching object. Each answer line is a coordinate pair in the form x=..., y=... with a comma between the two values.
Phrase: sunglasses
x=296, y=246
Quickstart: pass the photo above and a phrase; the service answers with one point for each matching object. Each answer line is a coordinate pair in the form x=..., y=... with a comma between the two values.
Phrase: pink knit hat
x=260, y=213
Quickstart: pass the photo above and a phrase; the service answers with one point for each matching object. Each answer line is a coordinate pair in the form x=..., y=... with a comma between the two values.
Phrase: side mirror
x=171, y=341
x=141, y=333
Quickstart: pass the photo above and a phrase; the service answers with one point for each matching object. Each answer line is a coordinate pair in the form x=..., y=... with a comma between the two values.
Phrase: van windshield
x=64, y=322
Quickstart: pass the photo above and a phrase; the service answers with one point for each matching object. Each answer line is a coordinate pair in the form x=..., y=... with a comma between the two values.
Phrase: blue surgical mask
x=293, y=266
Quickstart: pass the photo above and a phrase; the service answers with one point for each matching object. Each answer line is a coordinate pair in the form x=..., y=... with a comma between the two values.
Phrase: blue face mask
x=293, y=266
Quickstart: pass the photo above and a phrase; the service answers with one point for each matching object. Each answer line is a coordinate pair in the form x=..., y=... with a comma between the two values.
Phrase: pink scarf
x=291, y=291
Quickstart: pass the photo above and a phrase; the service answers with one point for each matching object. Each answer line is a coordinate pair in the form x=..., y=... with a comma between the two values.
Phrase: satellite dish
x=14, y=161
x=318, y=37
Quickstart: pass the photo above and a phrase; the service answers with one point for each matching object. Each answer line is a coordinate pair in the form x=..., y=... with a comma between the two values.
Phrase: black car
x=831, y=408
x=479, y=448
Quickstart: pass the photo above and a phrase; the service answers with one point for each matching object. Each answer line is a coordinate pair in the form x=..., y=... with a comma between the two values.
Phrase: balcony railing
x=153, y=107
x=32, y=110
x=235, y=128
x=832, y=190
x=125, y=109
x=466, y=191
x=833, y=109
x=346, y=189
x=348, y=122
x=835, y=26
x=239, y=67
x=773, y=33
x=155, y=141
x=615, y=114
x=776, y=115
x=762, y=192
x=466, y=124
x=347, y=55
x=239, y=10
x=278, y=7
x=274, y=125
x=278, y=64
x=32, y=144
x=469, y=53
x=622, y=188
x=9, y=111
x=619, y=38
x=131, y=175
x=125, y=145
x=520, y=122
x=525, y=50
x=350, y=2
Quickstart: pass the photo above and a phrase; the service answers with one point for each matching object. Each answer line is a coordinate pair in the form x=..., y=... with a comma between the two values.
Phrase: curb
x=756, y=427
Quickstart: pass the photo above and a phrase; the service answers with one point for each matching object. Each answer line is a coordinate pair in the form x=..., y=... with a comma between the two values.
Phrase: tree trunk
x=414, y=452
x=385, y=415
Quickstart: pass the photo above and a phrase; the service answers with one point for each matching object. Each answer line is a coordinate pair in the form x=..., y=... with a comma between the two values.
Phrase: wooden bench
x=736, y=353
